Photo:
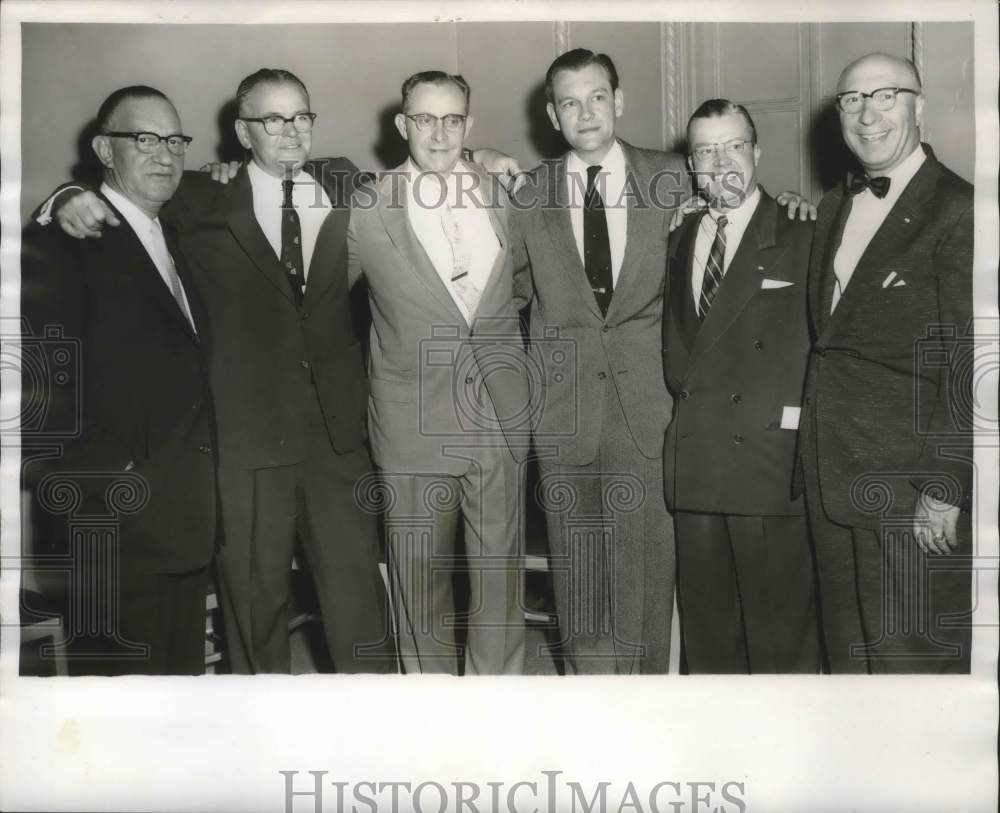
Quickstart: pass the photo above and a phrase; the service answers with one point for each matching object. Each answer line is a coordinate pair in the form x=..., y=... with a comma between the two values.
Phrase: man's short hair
x=724, y=107
x=434, y=78
x=575, y=60
x=108, y=107
x=275, y=75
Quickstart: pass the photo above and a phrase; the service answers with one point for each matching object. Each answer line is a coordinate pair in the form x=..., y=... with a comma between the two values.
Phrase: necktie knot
x=592, y=172
x=286, y=194
x=879, y=186
x=721, y=222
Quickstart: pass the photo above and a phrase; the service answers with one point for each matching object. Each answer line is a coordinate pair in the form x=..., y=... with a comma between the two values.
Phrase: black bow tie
x=879, y=186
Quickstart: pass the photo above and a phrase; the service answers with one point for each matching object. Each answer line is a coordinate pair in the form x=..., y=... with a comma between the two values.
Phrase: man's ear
x=918, y=108
x=551, y=110
x=242, y=133
x=101, y=145
x=400, y=122
x=756, y=154
x=619, y=103
x=468, y=128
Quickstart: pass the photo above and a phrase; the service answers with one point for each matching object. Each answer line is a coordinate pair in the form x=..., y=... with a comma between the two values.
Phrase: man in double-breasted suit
x=590, y=258
x=448, y=411
x=735, y=345
x=887, y=416
x=139, y=393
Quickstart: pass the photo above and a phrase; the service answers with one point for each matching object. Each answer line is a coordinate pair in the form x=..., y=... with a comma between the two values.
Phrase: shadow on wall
x=87, y=168
x=829, y=154
x=228, y=147
x=547, y=141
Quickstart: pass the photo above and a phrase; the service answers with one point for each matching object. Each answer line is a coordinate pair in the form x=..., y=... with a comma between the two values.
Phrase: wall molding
x=560, y=37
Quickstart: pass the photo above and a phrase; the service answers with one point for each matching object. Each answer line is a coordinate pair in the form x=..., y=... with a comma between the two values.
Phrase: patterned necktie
x=713, y=268
x=166, y=263
x=879, y=186
x=461, y=261
x=291, y=244
x=596, y=245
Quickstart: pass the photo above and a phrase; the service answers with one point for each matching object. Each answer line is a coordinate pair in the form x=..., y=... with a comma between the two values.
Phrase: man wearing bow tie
x=885, y=441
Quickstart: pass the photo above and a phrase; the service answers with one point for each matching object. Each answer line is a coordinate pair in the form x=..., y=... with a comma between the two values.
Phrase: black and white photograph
x=499, y=406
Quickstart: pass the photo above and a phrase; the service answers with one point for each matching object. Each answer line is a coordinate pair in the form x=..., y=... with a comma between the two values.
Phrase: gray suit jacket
x=574, y=348
x=437, y=385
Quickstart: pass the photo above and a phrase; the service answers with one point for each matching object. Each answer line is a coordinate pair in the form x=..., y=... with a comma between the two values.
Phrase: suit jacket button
x=758, y=345
x=605, y=328
x=468, y=380
x=204, y=448
x=809, y=400
x=305, y=364
x=684, y=394
x=602, y=375
x=737, y=439
x=305, y=314
x=736, y=398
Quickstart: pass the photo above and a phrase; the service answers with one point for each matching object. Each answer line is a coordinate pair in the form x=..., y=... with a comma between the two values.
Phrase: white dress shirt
x=424, y=200
x=311, y=203
x=736, y=223
x=867, y=215
x=150, y=234
x=611, y=184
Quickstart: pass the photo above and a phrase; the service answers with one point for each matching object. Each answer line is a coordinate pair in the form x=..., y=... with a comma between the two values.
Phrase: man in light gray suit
x=590, y=258
x=449, y=398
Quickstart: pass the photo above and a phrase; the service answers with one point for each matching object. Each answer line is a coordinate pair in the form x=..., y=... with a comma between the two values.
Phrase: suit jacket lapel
x=644, y=223
x=397, y=226
x=238, y=205
x=829, y=227
x=560, y=228
x=681, y=301
x=148, y=275
x=198, y=312
x=332, y=235
x=742, y=280
x=500, y=229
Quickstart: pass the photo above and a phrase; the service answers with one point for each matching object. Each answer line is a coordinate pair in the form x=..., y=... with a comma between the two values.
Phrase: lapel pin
x=906, y=220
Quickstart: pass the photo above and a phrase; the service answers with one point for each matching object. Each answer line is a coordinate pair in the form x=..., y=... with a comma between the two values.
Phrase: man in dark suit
x=146, y=424
x=735, y=345
x=886, y=425
x=590, y=258
x=449, y=397
x=269, y=252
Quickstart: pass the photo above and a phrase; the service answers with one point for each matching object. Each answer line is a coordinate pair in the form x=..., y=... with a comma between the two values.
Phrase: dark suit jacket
x=271, y=359
x=576, y=348
x=732, y=376
x=889, y=380
x=140, y=383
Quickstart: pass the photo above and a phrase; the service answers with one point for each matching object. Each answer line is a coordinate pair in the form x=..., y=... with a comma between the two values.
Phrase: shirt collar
x=743, y=212
x=903, y=172
x=259, y=179
x=613, y=162
x=137, y=219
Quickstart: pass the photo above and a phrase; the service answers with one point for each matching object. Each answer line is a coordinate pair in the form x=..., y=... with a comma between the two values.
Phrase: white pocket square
x=894, y=280
x=770, y=284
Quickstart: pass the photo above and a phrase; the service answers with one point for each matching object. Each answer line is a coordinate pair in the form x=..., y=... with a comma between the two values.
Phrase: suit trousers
x=887, y=607
x=423, y=519
x=159, y=620
x=611, y=549
x=265, y=512
x=746, y=594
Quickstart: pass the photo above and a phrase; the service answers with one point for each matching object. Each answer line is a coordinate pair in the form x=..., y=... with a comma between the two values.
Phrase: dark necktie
x=879, y=186
x=596, y=245
x=291, y=244
x=713, y=268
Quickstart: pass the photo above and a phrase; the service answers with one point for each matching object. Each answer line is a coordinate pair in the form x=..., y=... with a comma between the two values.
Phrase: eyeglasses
x=851, y=101
x=452, y=122
x=275, y=125
x=150, y=142
x=735, y=147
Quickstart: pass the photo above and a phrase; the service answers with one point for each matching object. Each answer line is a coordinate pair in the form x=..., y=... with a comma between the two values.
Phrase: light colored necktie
x=166, y=263
x=461, y=261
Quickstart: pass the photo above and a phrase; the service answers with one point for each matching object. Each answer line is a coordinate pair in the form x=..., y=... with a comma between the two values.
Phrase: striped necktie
x=713, y=268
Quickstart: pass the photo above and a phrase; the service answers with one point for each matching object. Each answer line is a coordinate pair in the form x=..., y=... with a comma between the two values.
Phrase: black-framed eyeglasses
x=150, y=142
x=851, y=101
x=452, y=122
x=735, y=147
x=275, y=124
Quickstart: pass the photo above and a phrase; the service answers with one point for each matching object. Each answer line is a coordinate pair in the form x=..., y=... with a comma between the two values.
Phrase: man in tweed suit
x=884, y=443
